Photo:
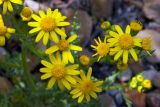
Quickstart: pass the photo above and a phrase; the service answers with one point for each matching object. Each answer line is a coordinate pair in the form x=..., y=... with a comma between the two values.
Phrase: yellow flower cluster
x=122, y=44
x=140, y=84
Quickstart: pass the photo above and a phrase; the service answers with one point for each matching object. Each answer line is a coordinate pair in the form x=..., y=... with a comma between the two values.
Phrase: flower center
x=102, y=49
x=48, y=24
x=63, y=45
x=3, y=30
x=58, y=71
x=87, y=86
x=126, y=41
x=26, y=12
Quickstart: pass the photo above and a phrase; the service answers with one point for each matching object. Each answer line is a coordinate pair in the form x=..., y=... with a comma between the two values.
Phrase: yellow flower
x=56, y=70
x=121, y=66
x=102, y=48
x=8, y=6
x=47, y=25
x=147, y=84
x=84, y=60
x=26, y=14
x=140, y=89
x=105, y=25
x=65, y=46
x=4, y=32
x=85, y=87
x=146, y=44
x=123, y=44
x=139, y=78
x=136, y=25
x=133, y=84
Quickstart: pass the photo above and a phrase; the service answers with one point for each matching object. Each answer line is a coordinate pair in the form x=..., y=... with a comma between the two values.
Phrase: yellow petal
x=51, y=83
x=70, y=79
x=125, y=56
x=46, y=76
x=60, y=32
x=8, y=35
x=45, y=38
x=52, y=58
x=97, y=89
x=5, y=5
x=87, y=97
x=10, y=8
x=113, y=34
x=82, y=75
x=49, y=11
x=89, y=73
x=93, y=94
x=118, y=55
x=2, y=40
x=98, y=83
x=74, y=47
x=39, y=36
x=66, y=84
x=58, y=57
x=119, y=29
x=63, y=24
x=42, y=14
x=77, y=95
x=52, y=49
x=80, y=99
x=70, y=57
x=34, y=30
x=47, y=64
x=35, y=17
x=128, y=29
x=54, y=37
x=11, y=30
x=72, y=72
x=17, y=1
x=133, y=53
x=1, y=20
x=72, y=38
x=60, y=85
x=45, y=70
x=34, y=24
x=65, y=57
x=75, y=91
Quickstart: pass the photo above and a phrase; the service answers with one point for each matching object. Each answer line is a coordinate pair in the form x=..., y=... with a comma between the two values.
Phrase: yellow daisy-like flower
x=102, y=48
x=7, y=5
x=123, y=44
x=26, y=14
x=84, y=60
x=64, y=46
x=4, y=32
x=147, y=44
x=48, y=25
x=136, y=25
x=56, y=70
x=85, y=87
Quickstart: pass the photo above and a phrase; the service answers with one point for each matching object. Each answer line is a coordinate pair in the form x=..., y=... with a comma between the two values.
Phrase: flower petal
x=125, y=56
x=34, y=30
x=52, y=49
x=119, y=29
x=74, y=47
x=128, y=29
x=66, y=84
x=72, y=38
x=51, y=83
x=54, y=37
x=133, y=53
x=89, y=73
x=39, y=36
x=80, y=99
x=46, y=38
x=118, y=55
x=61, y=32
x=46, y=76
x=47, y=64
x=70, y=79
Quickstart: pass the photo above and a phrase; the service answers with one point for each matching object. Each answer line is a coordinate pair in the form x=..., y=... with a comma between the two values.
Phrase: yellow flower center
x=3, y=30
x=87, y=86
x=58, y=71
x=26, y=12
x=48, y=24
x=146, y=44
x=84, y=60
x=126, y=41
x=102, y=49
x=63, y=45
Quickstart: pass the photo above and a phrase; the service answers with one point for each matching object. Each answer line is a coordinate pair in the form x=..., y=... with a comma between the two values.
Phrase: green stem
x=27, y=74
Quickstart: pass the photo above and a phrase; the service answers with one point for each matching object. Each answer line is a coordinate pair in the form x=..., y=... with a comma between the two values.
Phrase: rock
x=137, y=99
x=125, y=76
x=151, y=10
x=102, y=8
x=153, y=99
x=156, y=80
x=107, y=101
x=155, y=42
x=5, y=85
x=119, y=100
x=3, y=53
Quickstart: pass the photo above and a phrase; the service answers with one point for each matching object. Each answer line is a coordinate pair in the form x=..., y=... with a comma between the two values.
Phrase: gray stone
x=107, y=101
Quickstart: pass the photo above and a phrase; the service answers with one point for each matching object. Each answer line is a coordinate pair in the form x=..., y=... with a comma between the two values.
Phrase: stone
x=5, y=85
x=125, y=76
